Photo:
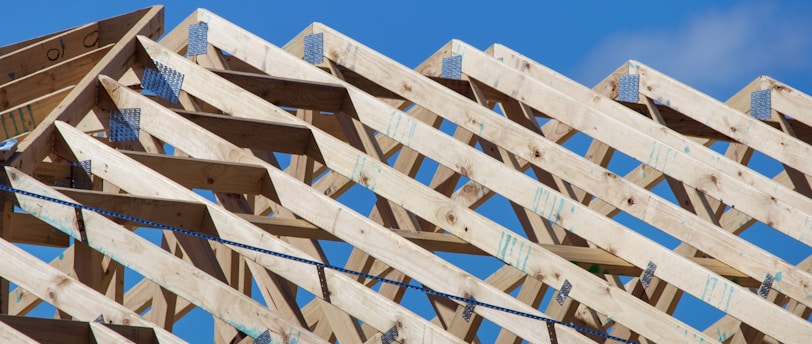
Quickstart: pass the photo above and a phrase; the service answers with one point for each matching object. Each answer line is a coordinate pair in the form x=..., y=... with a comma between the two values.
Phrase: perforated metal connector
x=197, y=39
x=764, y=290
x=314, y=48
x=125, y=124
x=629, y=88
x=563, y=292
x=452, y=67
x=761, y=105
x=648, y=274
x=264, y=338
x=323, y=281
x=390, y=335
x=81, y=176
x=469, y=310
x=165, y=82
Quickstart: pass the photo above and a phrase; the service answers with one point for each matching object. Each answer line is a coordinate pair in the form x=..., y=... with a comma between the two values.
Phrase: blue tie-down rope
x=465, y=300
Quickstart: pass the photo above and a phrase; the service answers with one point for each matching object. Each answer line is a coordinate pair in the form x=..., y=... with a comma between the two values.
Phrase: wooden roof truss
x=277, y=135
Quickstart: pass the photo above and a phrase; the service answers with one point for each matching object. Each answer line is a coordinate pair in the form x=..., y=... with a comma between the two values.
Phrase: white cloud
x=718, y=51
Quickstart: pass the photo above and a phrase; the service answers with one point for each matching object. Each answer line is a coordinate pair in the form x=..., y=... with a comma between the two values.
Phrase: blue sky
x=717, y=47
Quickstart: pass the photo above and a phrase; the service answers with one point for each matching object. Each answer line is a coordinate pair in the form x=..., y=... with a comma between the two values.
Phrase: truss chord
x=465, y=300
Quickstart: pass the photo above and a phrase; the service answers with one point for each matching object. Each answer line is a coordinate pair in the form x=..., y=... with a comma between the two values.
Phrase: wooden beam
x=82, y=98
x=290, y=92
x=207, y=174
x=128, y=175
x=50, y=79
x=24, y=118
x=48, y=52
x=498, y=133
x=722, y=118
x=66, y=293
x=80, y=332
x=275, y=137
x=143, y=257
x=259, y=106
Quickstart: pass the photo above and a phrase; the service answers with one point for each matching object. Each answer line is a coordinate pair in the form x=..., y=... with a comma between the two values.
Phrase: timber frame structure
x=276, y=135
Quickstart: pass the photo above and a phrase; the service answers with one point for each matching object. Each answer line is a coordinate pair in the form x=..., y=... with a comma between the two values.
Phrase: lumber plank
x=9, y=334
x=304, y=200
x=290, y=92
x=499, y=134
x=541, y=73
x=82, y=98
x=741, y=187
x=275, y=137
x=50, y=79
x=202, y=89
x=207, y=174
x=378, y=181
x=128, y=174
x=26, y=117
x=66, y=293
x=381, y=177
x=48, y=52
x=789, y=101
x=141, y=256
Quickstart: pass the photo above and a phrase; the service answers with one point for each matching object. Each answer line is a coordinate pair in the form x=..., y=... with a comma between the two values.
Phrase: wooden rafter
x=289, y=143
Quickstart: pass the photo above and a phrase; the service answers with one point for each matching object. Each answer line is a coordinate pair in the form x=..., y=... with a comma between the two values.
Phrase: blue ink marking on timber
x=481, y=126
x=665, y=158
x=687, y=149
x=411, y=134
x=536, y=199
x=11, y=75
x=518, y=256
x=558, y=212
x=500, y=245
x=61, y=256
x=354, y=169
x=26, y=128
x=3, y=119
x=503, y=249
x=16, y=130
x=526, y=255
x=291, y=339
x=31, y=113
x=777, y=277
x=397, y=125
x=544, y=204
x=729, y=296
x=721, y=335
x=19, y=296
x=389, y=125
x=657, y=157
x=361, y=170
